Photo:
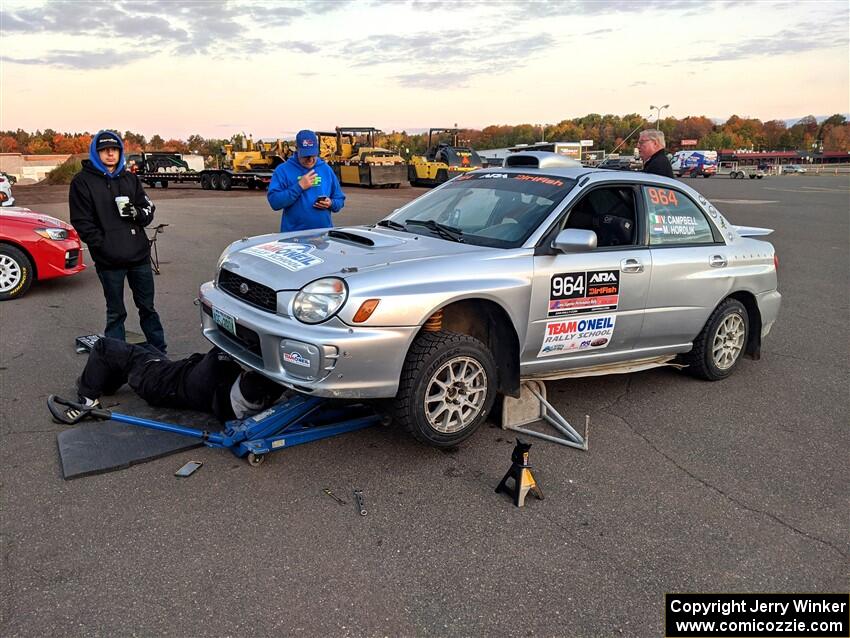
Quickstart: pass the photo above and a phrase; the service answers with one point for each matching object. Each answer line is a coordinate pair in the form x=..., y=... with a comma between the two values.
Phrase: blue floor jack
x=299, y=419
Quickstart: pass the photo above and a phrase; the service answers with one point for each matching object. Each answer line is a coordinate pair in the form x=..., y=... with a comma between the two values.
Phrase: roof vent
x=539, y=159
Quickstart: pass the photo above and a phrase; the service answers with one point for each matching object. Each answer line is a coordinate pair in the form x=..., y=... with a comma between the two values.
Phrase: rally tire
x=16, y=273
x=447, y=388
x=719, y=348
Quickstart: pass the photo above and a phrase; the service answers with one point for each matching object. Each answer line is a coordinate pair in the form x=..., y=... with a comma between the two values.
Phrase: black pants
x=199, y=382
x=141, y=283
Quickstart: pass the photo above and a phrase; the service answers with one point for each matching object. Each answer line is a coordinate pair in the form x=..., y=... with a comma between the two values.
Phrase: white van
x=694, y=163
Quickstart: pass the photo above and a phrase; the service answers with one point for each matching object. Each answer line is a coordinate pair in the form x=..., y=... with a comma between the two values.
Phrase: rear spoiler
x=752, y=231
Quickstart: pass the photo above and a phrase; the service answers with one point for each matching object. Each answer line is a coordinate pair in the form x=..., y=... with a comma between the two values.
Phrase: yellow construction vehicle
x=355, y=159
x=252, y=165
x=442, y=160
x=256, y=156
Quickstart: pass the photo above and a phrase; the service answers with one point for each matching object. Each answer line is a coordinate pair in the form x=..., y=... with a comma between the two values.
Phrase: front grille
x=72, y=258
x=245, y=337
x=257, y=295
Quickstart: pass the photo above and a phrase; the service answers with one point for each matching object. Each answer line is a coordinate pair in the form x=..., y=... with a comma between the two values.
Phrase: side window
x=674, y=218
x=609, y=212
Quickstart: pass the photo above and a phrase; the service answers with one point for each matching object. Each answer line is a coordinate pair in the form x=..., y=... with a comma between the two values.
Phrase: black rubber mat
x=106, y=446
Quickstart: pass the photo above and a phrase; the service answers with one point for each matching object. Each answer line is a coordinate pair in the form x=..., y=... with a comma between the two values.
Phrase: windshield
x=486, y=209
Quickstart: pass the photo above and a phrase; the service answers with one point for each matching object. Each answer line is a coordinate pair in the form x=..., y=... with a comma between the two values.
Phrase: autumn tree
x=8, y=144
x=39, y=146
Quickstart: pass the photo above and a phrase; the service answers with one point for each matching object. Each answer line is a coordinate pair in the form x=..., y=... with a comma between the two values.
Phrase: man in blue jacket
x=305, y=188
x=109, y=209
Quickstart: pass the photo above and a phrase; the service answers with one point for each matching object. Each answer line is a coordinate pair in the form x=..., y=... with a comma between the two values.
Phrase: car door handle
x=631, y=265
x=717, y=261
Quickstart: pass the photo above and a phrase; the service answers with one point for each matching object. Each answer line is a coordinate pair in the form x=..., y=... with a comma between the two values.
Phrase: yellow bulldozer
x=255, y=156
x=442, y=160
x=355, y=159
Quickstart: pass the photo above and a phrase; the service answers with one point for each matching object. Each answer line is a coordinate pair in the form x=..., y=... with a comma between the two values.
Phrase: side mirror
x=575, y=240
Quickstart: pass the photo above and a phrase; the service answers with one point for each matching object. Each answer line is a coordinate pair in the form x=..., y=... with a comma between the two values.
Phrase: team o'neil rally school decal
x=591, y=291
x=291, y=256
x=577, y=333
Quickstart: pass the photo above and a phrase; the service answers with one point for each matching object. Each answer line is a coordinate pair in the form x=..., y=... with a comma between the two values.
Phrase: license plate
x=224, y=320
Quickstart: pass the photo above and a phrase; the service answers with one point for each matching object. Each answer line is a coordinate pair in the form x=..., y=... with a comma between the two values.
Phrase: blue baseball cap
x=307, y=143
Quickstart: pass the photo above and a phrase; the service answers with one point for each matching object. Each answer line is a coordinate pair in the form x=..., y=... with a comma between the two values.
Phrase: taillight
x=776, y=261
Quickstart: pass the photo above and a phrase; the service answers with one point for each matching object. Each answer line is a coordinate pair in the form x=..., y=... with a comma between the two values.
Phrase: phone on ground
x=188, y=469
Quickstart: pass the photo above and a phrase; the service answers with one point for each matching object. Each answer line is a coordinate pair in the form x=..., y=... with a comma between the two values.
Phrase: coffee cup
x=121, y=201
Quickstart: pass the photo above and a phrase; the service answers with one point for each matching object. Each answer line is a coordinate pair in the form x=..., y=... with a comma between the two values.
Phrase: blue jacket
x=297, y=205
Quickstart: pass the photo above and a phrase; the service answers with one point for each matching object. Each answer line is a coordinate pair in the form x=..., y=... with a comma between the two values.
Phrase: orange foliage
x=8, y=144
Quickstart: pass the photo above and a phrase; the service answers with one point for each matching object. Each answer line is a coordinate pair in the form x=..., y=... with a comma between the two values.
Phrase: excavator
x=442, y=160
x=355, y=159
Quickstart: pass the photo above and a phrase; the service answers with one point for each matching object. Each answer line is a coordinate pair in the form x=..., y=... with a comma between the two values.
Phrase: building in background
x=29, y=169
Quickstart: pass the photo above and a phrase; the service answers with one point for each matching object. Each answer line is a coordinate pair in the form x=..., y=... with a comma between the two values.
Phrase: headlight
x=319, y=300
x=52, y=233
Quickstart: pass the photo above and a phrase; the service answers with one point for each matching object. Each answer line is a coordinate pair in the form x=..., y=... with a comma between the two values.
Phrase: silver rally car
x=541, y=269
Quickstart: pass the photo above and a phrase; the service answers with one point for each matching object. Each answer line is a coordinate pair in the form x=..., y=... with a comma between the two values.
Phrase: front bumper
x=58, y=258
x=331, y=359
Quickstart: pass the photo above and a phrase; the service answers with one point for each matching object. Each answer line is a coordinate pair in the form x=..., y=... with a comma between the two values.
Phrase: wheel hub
x=728, y=341
x=10, y=273
x=455, y=395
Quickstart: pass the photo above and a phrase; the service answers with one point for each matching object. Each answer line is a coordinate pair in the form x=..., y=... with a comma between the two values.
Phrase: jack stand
x=520, y=472
x=531, y=407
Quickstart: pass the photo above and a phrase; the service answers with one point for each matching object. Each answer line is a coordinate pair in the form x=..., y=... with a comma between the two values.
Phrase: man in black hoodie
x=109, y=209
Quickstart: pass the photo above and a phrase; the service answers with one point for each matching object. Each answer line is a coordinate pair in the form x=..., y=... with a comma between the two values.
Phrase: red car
x=35, y=246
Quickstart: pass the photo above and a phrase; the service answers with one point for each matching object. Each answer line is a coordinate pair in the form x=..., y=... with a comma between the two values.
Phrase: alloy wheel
x=10, y=273
x=728, y=341
x=455, y=394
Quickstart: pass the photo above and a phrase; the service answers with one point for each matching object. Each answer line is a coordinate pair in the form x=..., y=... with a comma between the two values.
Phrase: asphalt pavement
x=736, y=486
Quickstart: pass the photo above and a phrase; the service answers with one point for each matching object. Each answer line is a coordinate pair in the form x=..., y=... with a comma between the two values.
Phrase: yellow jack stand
x=520, y=472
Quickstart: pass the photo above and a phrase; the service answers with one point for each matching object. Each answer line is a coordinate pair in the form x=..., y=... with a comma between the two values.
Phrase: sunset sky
x=271, y=68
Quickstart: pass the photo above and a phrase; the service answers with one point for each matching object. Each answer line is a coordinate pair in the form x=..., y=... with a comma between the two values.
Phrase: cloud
x=189, y=29
x=88, y=18
x=86, y=60
x=444, y=59
x=798, y=39
x=446, y=80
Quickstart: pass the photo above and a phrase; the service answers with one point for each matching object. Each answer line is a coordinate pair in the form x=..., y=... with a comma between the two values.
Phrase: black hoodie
x=114, y=241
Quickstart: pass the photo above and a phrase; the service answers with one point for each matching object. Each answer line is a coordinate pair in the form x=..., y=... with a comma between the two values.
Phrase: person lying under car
x=211, y=382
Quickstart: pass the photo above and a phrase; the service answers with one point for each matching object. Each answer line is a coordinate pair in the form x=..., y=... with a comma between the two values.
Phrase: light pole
x=659, y=109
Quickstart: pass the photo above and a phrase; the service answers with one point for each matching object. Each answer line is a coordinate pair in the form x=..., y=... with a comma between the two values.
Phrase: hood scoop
x=353, y=238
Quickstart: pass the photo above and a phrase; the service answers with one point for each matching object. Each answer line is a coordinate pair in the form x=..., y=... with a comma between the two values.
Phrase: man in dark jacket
x=109, y=209
x=651, y=149
x=211, y=382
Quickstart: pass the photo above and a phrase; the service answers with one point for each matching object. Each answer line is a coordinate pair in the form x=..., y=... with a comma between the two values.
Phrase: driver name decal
x=574, y=335
x=589, y=291
x=293, y=257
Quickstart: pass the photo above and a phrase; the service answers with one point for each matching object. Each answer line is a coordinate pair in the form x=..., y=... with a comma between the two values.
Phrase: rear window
x=490, y=208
